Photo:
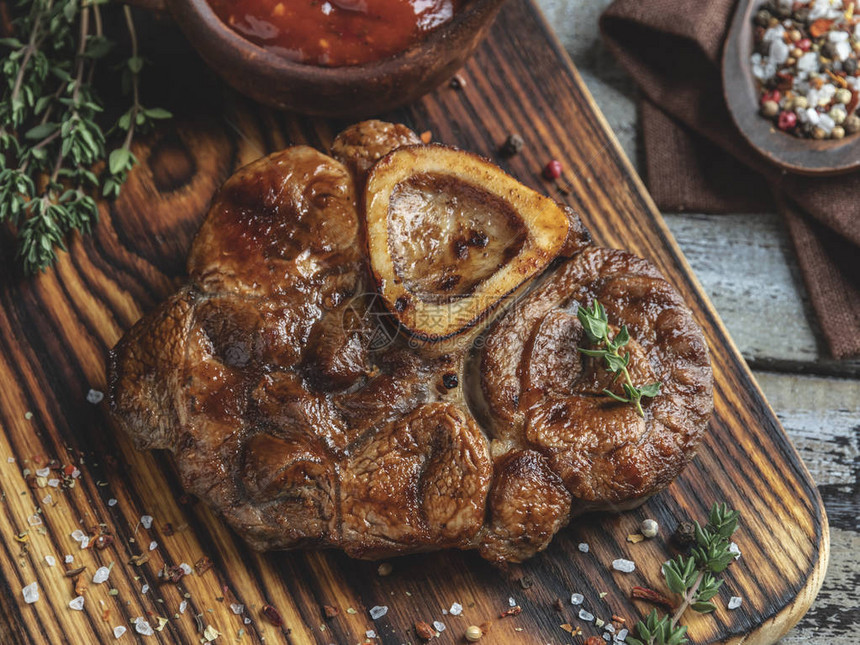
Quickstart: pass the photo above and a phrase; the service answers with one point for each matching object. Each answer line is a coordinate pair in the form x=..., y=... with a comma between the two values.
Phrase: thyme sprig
x=693, y=578
x=50, y=136
x=596, y=326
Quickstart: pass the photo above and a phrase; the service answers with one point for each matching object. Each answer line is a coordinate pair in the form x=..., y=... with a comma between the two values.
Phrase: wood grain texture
x=55, y=331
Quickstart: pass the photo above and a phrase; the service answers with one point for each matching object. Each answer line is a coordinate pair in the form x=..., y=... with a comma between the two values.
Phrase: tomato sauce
x=334, y=33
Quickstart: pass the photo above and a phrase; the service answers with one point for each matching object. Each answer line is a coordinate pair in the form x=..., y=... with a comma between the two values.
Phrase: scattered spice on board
x=513, y=145
x=424, y=631
x=203, y=565
x=805, y=61
x=513, y=611
x=330, y=612
x=644, y=593
x=271, y=614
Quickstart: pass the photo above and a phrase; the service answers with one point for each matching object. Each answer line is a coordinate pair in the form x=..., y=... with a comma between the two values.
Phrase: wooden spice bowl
x=804, y=156
x=355, y=91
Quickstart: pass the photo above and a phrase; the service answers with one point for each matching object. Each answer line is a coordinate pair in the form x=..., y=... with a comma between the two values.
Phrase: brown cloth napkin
x=673, y=49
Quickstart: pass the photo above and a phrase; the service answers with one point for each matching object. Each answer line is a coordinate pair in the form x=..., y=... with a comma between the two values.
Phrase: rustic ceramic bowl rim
x=260, y=57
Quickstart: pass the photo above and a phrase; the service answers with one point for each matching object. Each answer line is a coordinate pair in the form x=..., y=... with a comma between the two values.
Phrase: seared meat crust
x=299, y=411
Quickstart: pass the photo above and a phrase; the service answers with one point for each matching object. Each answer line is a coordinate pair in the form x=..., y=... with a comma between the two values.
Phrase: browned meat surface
x=297, y=406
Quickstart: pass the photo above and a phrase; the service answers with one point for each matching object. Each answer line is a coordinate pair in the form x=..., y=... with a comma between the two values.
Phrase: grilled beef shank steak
x=322, y=389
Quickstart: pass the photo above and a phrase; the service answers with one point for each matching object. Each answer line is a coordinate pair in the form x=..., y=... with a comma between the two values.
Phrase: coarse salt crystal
x=144, y=589
x=78, y=535
x=773, y=34
x=439, y=627
x=512, y=602
x=85, y=542
x=808, y=62
x=237, y=609
x=31, y=593
x=734, y=548
x=378, y=611
x=843, y=50
x=101, y=575
x=43, y=472
x=10, y=460
x=77, y=604
x=826, y=123
x=621, y=635
x=50, y=560
x=735, y=602
x=456, y=609
x=576, y=599
x=146, y=520
x=607, y=637
x=837, y=36
x=186, y=569
x=75, y=473
x=246, y=620
x=53, y=483
x=111, y=502
x=153, y=545
x=584, y=615
x=35, y=519
x=118, y=631
x=47, y=500
x=625, y=566
x=95, y=397
x=143, y=627
x=370, y=634
x=583, y=547
x=69, y=559
x=183, y=606
x=778, y=52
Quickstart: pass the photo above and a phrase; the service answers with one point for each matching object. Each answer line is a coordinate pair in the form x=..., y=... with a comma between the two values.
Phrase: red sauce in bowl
x=334, y=33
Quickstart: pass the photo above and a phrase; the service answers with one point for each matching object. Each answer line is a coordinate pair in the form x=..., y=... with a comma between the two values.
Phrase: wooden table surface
x=746, y=264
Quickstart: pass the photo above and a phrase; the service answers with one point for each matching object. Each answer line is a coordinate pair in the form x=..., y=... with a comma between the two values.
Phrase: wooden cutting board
x=55, y=331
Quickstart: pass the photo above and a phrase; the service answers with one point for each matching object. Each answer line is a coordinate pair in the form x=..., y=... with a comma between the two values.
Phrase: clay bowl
x=355, y=91
x=804, y=156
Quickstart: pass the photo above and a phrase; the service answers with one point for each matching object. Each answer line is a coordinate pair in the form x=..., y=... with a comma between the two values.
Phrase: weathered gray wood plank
x=822, y=417
x=747, y=265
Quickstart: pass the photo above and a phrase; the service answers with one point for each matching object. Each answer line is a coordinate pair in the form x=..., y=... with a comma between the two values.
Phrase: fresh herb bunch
x=50, y=137
x=596, y=327
x=693, y=578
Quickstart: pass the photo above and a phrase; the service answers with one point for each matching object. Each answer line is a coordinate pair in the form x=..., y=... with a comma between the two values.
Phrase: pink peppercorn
x=773, y=95
x=786, y=120
x=804, y=44
x=553, y=170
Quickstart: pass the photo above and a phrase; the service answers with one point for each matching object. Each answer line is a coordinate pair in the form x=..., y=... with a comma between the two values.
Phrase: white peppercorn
x=649, y=528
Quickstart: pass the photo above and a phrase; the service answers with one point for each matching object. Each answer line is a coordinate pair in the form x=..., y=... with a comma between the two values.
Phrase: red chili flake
x=786, y=120
x=594, y=640
x=424, y=631
x=426, y=136
x=820, y=27
x=203, y=565
x=513, y=611
x=804, y=44
x=644, y=593
x=553, y=170
x=103, y=541
x=171, y=574
x=68, y=470
x=618, y=619
x=785, y=81
x=330, y=612
x=271, y=614
x=852, y=104
x=167, y=529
